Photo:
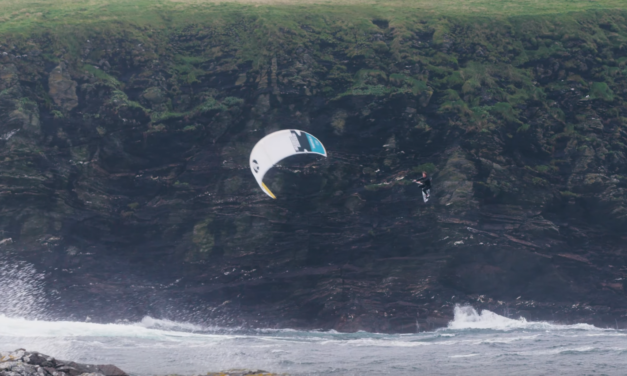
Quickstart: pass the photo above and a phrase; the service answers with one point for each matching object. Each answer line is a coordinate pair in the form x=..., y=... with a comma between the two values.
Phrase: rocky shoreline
x=26, y=363
x=31, y=363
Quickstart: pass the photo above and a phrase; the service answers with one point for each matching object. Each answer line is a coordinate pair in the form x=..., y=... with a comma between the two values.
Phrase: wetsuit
x=425, y=184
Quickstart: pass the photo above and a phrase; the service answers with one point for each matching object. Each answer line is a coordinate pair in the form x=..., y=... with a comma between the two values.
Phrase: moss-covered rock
x=62, y=89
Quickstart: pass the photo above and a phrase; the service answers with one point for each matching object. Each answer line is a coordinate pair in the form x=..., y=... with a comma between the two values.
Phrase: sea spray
x=466, y=317
x=22, y=291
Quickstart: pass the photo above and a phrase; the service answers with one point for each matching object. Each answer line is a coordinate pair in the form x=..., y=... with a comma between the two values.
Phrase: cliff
x=124, y=171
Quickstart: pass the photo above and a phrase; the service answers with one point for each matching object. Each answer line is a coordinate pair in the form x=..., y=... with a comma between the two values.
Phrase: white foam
x=559, y=350
x=509, y=339
x=21, y=327
x=466, y=317
x=463, y=356
x=152, y=323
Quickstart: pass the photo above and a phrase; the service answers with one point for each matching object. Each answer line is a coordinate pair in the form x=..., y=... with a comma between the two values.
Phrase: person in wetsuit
x=424, y=182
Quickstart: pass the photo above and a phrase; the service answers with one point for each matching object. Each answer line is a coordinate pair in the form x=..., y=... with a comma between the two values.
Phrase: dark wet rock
x=25, y=363
x=17, y=113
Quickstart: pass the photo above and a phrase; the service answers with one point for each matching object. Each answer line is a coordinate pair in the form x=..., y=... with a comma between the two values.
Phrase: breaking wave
x=472, y=341
x=466, y=317
x=148, y=328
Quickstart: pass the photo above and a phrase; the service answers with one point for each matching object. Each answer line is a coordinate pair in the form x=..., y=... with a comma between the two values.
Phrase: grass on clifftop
x=28, y=15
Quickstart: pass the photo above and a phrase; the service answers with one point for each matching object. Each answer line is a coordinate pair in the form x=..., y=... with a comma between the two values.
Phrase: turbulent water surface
x=473, y=344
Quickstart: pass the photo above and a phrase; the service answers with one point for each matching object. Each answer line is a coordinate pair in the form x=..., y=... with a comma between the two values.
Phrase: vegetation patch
x=600, y=90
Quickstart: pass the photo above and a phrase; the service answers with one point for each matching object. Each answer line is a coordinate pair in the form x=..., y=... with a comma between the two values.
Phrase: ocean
x=473, y=344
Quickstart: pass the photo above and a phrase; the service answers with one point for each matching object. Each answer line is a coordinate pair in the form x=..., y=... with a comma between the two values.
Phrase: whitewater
x=473, y=343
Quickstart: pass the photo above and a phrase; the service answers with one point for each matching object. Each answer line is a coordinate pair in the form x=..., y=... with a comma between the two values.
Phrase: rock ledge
x=25, y=363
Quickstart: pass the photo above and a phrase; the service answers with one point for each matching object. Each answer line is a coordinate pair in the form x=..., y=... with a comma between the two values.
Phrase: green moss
x=202, y=236
x=523, y=128
x=103, y=76
x=185, y=68
x=167, y=115
x=409, y=84
x=544, y=168
x=569, y=194
x=600, y=90
x=232, y=101
x=157, y=128
x=80, y=153
x=428, y=167
x=506, y=111
x=539, y=182
x=380, y=47
x=119, y=99
x=209, y=104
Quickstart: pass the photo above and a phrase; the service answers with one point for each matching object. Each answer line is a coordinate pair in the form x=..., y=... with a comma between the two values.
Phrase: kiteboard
x=277, y=146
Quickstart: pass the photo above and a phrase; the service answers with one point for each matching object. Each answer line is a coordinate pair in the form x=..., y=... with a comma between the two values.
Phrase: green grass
x=106, y=78
x=253, y=30
x=404, y=47
x=20, y=15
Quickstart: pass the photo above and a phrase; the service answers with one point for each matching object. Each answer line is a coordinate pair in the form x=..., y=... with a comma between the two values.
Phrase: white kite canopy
x=279, y=145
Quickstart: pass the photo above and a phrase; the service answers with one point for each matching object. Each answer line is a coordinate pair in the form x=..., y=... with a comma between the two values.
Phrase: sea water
x=474, y=343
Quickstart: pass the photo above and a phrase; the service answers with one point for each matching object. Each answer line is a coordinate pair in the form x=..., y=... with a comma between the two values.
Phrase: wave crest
x=466, y=317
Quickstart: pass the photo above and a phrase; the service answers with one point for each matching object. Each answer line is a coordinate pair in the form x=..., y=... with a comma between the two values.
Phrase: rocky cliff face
x=124, y=172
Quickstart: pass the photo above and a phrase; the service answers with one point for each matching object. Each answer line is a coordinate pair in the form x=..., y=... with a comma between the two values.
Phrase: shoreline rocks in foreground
x=26, y=363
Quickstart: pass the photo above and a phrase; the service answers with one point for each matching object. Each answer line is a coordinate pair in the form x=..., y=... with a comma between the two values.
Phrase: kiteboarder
x=425, y=183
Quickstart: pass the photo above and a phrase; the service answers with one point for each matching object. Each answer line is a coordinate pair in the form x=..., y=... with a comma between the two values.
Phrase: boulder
x=25, y=363
x=62, y=88
x=154, y=95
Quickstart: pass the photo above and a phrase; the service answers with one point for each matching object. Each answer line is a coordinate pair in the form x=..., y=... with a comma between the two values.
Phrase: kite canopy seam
x=277, y=146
